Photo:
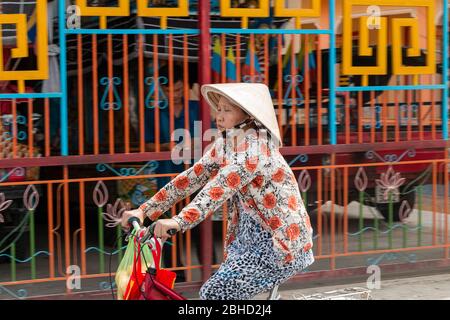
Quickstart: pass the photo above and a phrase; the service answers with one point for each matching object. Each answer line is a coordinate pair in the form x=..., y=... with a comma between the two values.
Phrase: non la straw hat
x=253, y=98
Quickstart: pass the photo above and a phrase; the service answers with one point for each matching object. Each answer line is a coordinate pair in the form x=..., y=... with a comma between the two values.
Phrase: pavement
x=424, y=287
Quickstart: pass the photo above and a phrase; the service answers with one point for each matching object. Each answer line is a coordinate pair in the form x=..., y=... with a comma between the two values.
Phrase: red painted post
x=204, y=77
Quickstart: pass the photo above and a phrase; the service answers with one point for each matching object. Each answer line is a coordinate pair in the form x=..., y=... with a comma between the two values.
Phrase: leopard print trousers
x=250, y=267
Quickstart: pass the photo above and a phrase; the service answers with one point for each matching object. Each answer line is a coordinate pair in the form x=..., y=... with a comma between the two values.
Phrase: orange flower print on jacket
x=191, y=215
x=216, y=193
x=242, y=147
x=293, y=231
x=288, y=258
x=283, y=245
x=275, y=223
x=161, y=195
x=251, y=203
x=214, y=173
x=278, y=176
x=244, y=189
x=224, y=163
x=230, y=239
x=198, y=169
x=251, y=164
x=292, y=203
x=182, y=182
x=256, y=184
x=270, y=201
x=155, y=215
x=233, y=180
x=307, y=247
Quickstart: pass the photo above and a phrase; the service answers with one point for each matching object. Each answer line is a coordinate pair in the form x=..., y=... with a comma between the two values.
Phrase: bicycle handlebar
x=152, y=228
x=135, y=222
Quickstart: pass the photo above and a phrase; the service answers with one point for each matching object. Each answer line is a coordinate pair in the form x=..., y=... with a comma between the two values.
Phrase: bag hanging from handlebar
x=159, y=283
x=131, y=271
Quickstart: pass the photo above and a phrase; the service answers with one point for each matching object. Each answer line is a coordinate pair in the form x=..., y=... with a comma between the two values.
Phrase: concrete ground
x=424, y=287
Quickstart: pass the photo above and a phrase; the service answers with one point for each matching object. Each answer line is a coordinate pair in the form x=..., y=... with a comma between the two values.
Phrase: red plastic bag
x=132, y=291
x=139, y=276
x=159, y=283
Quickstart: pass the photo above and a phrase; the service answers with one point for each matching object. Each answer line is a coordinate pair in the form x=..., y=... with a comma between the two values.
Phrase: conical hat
x=253, y=98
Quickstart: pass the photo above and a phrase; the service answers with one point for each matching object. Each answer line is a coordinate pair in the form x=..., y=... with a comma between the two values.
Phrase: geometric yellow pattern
x=396, y=26
x=414, y=51
x=297, y=13
x=365, y=50
x=264, y=11
x=180, y=11
x=244, y=13
x=123, y=9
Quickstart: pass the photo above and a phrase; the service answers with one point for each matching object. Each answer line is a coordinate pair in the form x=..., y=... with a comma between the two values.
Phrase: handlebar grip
x=134, y=222
x=172, y=231
x=152, y=229
x=150, y=232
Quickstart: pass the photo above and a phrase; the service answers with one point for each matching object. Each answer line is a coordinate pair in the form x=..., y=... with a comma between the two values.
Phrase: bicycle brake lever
x=150, y=232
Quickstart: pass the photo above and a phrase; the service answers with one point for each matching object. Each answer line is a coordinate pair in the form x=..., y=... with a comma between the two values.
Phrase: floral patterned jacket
x=254, y=172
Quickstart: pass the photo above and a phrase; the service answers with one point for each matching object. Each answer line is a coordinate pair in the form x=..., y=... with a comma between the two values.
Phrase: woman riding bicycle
x=269, y=234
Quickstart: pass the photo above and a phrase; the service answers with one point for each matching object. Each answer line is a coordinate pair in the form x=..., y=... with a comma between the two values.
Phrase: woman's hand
x=164, y=225
x=138, y=213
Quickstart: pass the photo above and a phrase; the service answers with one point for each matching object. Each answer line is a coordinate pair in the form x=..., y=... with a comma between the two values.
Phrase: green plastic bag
x=137, y=259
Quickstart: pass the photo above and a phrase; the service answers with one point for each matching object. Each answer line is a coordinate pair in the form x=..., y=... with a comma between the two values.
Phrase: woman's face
x=228, y=115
